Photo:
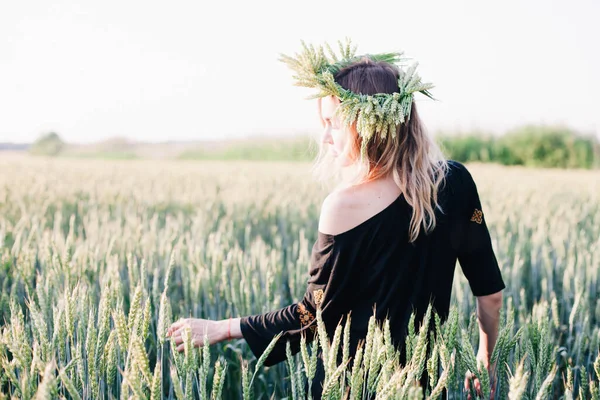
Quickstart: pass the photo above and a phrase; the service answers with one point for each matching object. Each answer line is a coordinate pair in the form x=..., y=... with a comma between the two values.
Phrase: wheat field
x=98, y=257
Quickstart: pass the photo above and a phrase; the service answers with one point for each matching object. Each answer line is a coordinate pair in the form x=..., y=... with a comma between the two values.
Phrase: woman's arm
x=217, y=331
x=488, y=314
x=231, y=328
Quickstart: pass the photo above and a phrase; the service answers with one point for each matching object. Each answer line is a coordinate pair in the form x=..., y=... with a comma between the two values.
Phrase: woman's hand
x=482, y=359
x=216, y=331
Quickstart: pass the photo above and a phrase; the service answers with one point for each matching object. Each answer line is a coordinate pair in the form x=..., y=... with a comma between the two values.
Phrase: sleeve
x=475, y=253
x=330, y=286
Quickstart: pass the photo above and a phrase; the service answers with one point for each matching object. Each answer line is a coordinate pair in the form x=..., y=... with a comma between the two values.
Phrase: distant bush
x=476, y=146
x=549, y=147
x=49, y=144
x=531, y=145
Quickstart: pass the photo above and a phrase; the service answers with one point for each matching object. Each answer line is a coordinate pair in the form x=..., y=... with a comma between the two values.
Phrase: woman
x=391, y=232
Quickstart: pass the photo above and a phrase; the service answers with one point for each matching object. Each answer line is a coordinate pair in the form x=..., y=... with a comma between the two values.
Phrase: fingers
x=178, y=324
x=469, y=376
x=177, y=339
x=177, y=336
x=477, y=385
x=175, y=331
x=198, y=329
x=195, y=343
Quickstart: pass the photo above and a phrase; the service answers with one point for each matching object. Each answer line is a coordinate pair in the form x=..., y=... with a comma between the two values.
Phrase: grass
x=97, y=257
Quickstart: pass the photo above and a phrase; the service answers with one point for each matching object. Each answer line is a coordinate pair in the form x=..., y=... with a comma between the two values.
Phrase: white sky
x=191, y=70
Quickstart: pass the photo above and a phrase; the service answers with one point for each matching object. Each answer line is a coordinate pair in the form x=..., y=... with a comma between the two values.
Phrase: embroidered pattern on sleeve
x=318, y=295
x=477, y=216
x=306, y=317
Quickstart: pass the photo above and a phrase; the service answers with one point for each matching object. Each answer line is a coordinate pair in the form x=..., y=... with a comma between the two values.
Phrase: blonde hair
x=413, y=159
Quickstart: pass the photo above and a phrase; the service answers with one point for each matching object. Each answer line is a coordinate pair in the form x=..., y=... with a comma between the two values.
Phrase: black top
x=373, y=265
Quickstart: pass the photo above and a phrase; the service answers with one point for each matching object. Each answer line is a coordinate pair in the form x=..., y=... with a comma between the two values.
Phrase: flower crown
x=378, y=113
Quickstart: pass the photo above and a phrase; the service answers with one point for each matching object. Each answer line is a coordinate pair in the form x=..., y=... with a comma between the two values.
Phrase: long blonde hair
x=413, y=159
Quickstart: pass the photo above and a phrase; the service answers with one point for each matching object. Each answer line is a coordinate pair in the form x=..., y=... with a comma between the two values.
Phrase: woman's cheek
x=339, y=141
x=344, y=157
x=347, y=160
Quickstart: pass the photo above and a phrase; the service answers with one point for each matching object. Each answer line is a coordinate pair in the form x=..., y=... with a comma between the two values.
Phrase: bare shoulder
x=347, y=208
x=335, y=211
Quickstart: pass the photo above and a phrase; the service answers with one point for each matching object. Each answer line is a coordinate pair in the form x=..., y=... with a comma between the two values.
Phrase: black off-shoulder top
x=373, y=267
